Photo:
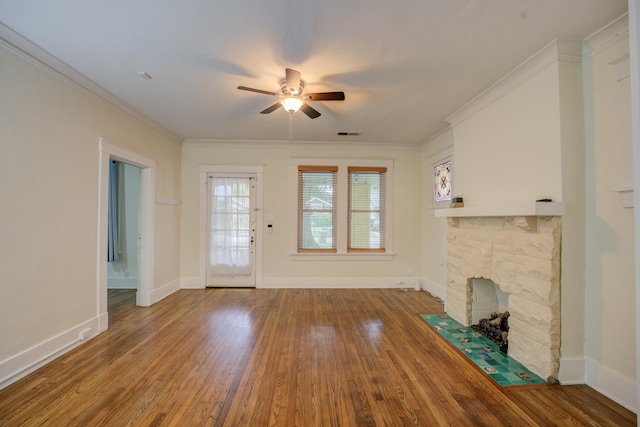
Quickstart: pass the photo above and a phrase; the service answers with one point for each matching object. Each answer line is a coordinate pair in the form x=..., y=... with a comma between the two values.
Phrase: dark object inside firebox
x=496, y=328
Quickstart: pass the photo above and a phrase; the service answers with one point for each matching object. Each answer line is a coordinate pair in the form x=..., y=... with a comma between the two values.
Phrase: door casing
x=146, y=219
x=231, y=280
x=205, y=170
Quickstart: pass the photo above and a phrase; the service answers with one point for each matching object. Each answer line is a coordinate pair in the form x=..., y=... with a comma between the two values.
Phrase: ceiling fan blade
x=309, y=111
x=271, y=109
x=325, y=96
x=293, y=80
x=250, y=89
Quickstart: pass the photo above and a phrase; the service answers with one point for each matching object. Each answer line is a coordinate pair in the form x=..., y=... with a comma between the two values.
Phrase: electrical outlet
x=84, y=334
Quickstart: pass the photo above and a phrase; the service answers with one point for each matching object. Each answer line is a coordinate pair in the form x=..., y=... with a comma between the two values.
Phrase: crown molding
x=606, y=36
x=438, y=142
x=34, y=54
x=333, y=145
x=569, y=50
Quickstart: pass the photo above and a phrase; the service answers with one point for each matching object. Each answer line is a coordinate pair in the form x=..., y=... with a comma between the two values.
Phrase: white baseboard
x=612, y=384
x=192, y=283
x=164, y=291
x=103, y=322
x=571, y=371
x=339, y=282
x=122, y=283
x=27, y=361
x=436, y=289
x=320, y=282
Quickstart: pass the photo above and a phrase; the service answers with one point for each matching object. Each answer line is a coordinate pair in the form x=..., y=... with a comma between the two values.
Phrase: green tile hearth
x=482, y=351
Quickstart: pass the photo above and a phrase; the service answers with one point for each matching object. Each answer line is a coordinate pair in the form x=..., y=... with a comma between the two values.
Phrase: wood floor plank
x=276, y=357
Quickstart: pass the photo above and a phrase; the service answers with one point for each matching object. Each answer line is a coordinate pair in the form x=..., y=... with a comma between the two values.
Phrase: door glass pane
x=229, y=242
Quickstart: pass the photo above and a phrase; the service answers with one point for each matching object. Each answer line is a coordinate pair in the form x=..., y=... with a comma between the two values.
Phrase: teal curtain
x=112, y=240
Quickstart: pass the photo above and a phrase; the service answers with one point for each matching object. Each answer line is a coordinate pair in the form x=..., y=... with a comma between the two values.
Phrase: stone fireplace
x=521, y=255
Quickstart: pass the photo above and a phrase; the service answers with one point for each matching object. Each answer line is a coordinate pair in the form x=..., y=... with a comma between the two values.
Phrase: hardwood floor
x=236, y=357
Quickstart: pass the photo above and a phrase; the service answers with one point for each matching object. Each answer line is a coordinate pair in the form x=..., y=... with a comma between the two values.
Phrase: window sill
x=341, y=257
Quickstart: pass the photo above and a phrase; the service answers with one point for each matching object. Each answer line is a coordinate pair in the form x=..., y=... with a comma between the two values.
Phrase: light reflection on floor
x=236, y=323
x=373, y=328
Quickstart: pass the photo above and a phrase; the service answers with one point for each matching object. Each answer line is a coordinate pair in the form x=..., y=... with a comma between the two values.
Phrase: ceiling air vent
x=348, y=133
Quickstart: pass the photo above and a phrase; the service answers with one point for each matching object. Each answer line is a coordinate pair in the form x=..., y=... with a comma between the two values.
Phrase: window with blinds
x=317, y=203
x=367, y=213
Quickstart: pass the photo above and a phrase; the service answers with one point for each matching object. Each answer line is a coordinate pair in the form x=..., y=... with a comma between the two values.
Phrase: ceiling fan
x=292, y=98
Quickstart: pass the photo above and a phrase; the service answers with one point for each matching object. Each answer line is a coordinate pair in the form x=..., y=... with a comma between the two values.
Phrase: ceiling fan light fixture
x=292, y=88
x=291, y=103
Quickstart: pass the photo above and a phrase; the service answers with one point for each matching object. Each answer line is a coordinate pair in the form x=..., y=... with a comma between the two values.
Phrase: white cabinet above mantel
x=518, y=209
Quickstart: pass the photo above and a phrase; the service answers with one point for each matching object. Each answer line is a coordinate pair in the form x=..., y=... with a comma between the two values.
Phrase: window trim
x=342, y=209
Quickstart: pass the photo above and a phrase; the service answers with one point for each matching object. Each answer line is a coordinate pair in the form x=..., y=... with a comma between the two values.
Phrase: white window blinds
x=317, y=204
x=367, y=214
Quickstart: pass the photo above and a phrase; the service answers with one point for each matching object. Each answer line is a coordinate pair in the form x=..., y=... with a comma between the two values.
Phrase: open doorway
x=124, y=204
x=146, y=219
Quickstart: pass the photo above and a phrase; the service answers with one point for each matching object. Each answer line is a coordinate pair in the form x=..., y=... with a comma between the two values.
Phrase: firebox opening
x=489, y=312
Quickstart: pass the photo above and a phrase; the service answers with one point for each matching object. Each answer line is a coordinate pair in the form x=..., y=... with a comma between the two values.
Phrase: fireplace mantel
x=519, y=209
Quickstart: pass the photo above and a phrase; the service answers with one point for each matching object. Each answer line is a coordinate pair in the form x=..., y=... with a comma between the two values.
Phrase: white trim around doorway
x=258, y=171
x=112, y=151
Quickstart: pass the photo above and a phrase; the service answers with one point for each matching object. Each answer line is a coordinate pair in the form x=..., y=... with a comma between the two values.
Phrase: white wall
x=279, y=269
x=49, y=156
x=610, y=286
x=434, y=245
x=634, y=48
x=509, y=152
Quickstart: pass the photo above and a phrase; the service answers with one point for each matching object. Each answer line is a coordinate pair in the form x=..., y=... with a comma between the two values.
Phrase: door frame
x=231, y=280
x=146, y=223
x=205, y=170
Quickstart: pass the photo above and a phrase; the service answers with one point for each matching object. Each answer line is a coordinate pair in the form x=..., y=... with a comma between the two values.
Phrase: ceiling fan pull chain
x=290, y=126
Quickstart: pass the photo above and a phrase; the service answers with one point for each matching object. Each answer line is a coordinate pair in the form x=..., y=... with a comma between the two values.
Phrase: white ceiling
x=404, y=65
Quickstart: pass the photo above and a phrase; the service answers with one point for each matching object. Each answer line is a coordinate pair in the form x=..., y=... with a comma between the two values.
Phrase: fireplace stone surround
x=521, y=255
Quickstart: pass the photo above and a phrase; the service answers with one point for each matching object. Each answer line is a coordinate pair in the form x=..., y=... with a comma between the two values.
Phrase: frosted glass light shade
x=292, y=103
